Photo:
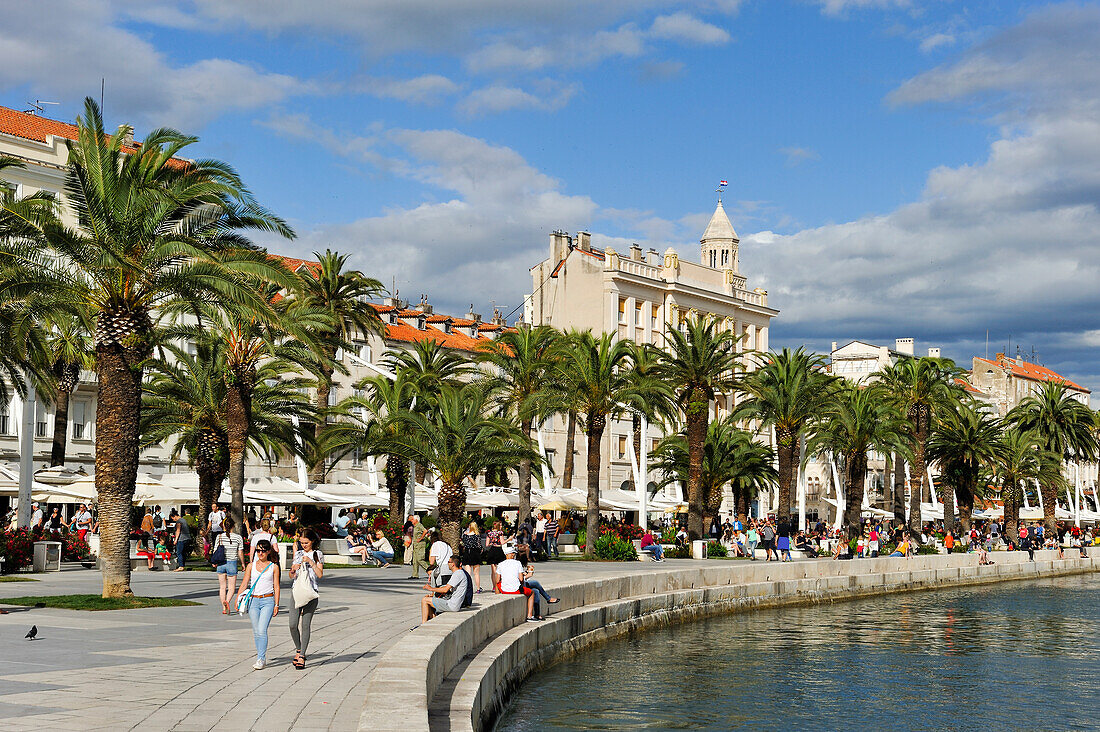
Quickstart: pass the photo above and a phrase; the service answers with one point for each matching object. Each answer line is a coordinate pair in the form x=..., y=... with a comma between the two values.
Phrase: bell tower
x=719, y=242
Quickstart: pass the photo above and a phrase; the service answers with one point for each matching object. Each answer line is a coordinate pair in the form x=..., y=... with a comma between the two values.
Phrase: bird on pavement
x=32, y=633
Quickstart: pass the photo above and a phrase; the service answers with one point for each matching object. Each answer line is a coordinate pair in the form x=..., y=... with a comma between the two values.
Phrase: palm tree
x=964, y=442
x=344, y=295
x=1020, y=459
x=280, y=346
x=730, y=456
x=369, y=421
x=698, y=362
x=788, y=393
x=857, y=420
x=185, y=404
x=153, y=229
x=524, y=363
x=1065, y=427
x=597, y=371
x=458, y=438
x=69, y=351
x=922, y=389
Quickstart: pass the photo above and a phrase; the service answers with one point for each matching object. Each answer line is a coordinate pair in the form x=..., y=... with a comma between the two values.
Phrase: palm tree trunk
x=966, y=509
x=786, y=448
x=899, y=490
x=525, y=476
x=570, y=439
x=397, y=481
x=887, y=484
x=853, y=504
x=696, y=415
x=421, y=473
x=1050, y=501
x=741, y=501
x=947, y=498
x=210, y=485
x=636, y=427
x=118, y=414
x=595, y=435
x=238, y=418
x=452, y=505
x=917, y=480
x=1012, y=498
x=60, y=428
x=324, y=388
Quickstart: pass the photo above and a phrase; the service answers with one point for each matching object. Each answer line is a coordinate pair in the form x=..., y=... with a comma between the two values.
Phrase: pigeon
x=32, y=633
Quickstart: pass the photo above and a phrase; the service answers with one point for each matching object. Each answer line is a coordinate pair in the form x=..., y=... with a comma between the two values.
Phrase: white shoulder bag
x=302, y=589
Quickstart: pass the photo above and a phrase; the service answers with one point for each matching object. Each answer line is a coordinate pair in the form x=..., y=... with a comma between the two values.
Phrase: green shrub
x=678, y=552
x=928, y=548
x=612, y=547
x=429, y=521
x=716, y=549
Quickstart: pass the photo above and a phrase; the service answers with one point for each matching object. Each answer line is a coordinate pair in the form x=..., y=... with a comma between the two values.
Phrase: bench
x=336, y=552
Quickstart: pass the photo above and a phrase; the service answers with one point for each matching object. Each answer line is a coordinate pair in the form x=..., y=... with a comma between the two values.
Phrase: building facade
x=637, y=295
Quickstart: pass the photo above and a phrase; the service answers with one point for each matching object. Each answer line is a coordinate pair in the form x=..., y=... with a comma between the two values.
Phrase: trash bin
x=698, y=549
x=47, y=556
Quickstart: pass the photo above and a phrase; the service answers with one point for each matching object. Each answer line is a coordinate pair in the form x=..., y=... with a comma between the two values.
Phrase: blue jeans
x=552, y=546
x=538, y=589
x=656, y=550
x=181, y=552
x=383, y=557
x=260, y=611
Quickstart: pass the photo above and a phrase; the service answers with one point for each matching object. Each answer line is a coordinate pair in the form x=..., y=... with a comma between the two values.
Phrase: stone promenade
x=190, y=668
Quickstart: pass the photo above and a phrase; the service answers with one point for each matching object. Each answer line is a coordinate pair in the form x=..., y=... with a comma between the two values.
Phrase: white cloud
x=798, y=155
x=688, y=29
x=425, y=89
x=1007, y=244
x=839, y=7
x=502, y=98
x=62, y=48
x=936, y=40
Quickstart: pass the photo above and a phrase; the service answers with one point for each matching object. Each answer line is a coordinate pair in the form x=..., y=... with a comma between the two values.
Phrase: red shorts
x=523, y=590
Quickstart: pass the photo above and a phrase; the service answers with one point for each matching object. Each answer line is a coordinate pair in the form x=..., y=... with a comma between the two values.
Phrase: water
x=1022, y=655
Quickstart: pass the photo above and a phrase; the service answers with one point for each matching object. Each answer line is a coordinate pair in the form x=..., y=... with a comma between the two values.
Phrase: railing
x=630, y=266
x=752, y=298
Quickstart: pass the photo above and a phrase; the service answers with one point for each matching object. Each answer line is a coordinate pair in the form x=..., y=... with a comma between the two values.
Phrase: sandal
x=298, y=661
x=554, y=600
x=225, y=607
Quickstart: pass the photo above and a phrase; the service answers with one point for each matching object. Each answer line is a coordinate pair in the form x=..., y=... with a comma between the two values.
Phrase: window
x=639, y=319
x=550, y=455
x=713, y=258
x=622, y=310
x=41, y=425
x=5, y=420
x=79, y=409
x=9, y=188
x=653, y=445
x=813, y=489
x=357, y=458
x=622, y=447
x=725, y=257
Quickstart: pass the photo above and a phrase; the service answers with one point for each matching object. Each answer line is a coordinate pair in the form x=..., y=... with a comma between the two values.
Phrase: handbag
x=302, y=589
x=217, y=557
x=245, y=598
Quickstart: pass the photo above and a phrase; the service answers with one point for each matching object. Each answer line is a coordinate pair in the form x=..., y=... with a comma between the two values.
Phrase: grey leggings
x=300, y=618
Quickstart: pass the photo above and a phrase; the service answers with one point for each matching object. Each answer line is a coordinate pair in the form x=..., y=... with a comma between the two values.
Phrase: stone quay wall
x=457, y=671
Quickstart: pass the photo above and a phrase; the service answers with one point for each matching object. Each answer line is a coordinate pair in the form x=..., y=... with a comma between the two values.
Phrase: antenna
x=987, y=344
x=36, y=106
x=102, y=86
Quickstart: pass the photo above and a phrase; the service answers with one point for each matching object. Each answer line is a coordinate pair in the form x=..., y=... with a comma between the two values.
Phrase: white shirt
x=263, y=583
x=540, y=526
x=215, y=518
x=84, y=520
x=36, y=517
x=510, y=571
x=440, y=553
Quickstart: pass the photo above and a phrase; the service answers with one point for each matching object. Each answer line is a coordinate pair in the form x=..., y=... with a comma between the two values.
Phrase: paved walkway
x=190, y=668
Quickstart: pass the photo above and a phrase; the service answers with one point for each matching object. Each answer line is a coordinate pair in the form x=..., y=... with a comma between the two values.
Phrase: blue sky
x=923, y=168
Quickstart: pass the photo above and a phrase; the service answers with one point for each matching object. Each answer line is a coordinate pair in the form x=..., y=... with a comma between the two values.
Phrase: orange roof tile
x=970, y=388
x=1032, y=371
x=33, y=127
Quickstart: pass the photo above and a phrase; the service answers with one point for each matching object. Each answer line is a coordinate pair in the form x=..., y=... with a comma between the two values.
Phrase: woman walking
x=233, y=544
x=494, y=552
x=308, y=559
x=261, y=534
x=472, y=549
x=753, y=538
x=261, y=579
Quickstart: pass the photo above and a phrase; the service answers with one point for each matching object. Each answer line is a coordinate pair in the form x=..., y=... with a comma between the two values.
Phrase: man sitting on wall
x=451, y=597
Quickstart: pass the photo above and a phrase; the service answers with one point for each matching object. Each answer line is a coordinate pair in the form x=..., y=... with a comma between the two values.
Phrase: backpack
x=468, y=598
x=158, y=521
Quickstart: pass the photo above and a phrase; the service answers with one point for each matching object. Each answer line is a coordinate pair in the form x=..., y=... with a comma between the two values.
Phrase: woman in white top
x=308, y=559
x=262, y=579
x=233, y=544
x=261, y=534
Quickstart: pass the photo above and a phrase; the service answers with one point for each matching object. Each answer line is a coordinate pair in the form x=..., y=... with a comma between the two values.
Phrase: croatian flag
x=722, y=183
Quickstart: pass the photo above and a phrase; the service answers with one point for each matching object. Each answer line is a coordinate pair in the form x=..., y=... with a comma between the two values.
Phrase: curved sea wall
x=457, y=672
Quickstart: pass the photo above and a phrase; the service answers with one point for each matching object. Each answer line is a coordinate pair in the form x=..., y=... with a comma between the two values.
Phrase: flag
x=722, y=183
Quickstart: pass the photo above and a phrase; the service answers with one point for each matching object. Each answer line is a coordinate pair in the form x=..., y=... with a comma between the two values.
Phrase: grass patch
x=12, y=578
x=95, y=602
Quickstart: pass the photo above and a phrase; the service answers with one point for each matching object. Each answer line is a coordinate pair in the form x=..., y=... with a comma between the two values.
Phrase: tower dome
x=719, y=242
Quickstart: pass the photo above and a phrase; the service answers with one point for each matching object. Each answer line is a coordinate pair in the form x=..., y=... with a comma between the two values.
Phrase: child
x=162, y=552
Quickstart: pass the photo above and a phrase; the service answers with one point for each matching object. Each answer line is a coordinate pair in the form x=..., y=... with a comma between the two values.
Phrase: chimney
x=653, y=257
x=933, y=353
x=833, y=350
x=904, y=345
x=635, y=253
x=559, y=247
x=424, y=307
x=498, y=317
x=127, y=134
x=584, y=241
x=476, y=317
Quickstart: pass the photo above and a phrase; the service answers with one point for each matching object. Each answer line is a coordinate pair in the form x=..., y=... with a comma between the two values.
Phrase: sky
x=897, y=168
